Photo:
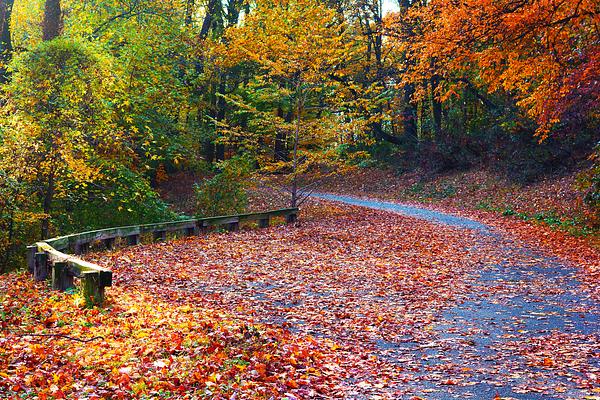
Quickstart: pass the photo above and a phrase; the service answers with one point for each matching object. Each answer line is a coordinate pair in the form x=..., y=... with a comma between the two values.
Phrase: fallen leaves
x=151, y=347
x=350, y=303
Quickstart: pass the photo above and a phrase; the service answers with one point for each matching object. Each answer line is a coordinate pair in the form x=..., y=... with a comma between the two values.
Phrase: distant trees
x=544, y=53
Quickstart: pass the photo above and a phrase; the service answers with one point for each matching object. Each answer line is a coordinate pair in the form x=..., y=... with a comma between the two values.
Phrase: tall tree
x=5, y=37
x=297, y=45
x=58, y=136
x=52, y=24
x=543, y=52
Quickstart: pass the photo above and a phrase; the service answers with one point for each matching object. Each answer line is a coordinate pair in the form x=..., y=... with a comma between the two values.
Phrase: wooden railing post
x=40, y=271
x=93, y=290
x=133, y=240
x=160, y=236
x=82, y=247
x=291, y=218
x=62, y=279
x=109, y=243
x=263, y=222
x=202, y=227
x=31, y=250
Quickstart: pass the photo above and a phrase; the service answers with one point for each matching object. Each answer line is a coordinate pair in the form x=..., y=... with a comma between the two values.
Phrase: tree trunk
x=436, y=107
x=280, y=151
x=379, y=133
x=213, y=20
x=294, y=202
x=209, y=150
x=189, y=12
x=52, y=25
x=208, y=147
x=409, y=113
x=234, y=8
x=5, y=37
x=47, y=206
x=409, y=116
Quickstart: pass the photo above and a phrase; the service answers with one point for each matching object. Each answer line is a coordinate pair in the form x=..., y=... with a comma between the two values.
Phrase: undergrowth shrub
x=590, y=183
x=225, y=192
x=18, y=220
x=124, y=197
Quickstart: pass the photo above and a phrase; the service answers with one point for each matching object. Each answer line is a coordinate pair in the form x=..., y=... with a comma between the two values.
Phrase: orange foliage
x=544, y=52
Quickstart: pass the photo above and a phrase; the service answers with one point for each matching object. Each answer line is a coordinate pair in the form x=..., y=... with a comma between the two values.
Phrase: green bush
x=65, y=164
x=17, y=221
x=225, y=192
x=590, y=184
x=122, y=197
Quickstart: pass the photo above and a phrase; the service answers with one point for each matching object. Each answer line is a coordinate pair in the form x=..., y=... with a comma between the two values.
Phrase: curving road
x=405, y=303
x=526, y=301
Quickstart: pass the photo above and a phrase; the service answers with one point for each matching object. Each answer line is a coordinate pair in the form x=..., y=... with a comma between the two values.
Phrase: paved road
x=523, y=314
x=443, y=308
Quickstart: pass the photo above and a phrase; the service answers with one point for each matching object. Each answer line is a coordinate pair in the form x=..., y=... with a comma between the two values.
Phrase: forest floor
x=351, y=302
x=554, y=201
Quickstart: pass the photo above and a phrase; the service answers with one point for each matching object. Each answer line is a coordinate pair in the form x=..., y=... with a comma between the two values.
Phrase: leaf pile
x=372, y=285
x=144, y=348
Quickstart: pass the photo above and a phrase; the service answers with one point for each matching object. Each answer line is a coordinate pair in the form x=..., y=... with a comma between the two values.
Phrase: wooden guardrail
x=50, y=258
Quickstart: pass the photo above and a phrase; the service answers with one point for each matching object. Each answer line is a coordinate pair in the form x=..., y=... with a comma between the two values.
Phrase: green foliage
x=122, y=197
x=431, y=191
x=56, y=125
x=62, y=85
x=575, y=226
x=58, y=120
x=225, y=193
x=590, y=183
x=16, y=219
x=64, y=157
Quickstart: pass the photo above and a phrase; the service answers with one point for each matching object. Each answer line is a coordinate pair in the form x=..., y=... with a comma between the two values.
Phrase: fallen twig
x=60, y=336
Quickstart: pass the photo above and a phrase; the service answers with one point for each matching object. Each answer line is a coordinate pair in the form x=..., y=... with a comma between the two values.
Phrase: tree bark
x=47, y=206
x=409, y=112
x=5, y=38
x=234, y=8
x=52, y=25
x=189, y=12
x=299, y=101
x=213, y=19
x=280, y=151
x=381, y=134
x=436, y=107
x=409, y=115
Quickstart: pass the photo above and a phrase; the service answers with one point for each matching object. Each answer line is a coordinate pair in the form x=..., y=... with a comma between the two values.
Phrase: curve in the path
x=410, y=211
x=506, y=307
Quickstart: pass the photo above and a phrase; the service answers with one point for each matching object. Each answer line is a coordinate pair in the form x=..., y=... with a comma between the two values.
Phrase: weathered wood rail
x=57, y=258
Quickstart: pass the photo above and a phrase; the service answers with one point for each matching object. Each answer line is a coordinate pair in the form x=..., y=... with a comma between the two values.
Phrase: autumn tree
x=297, y=46
x=545, y=52
x=58, y=125
x=6, y=46
x=214, y=80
